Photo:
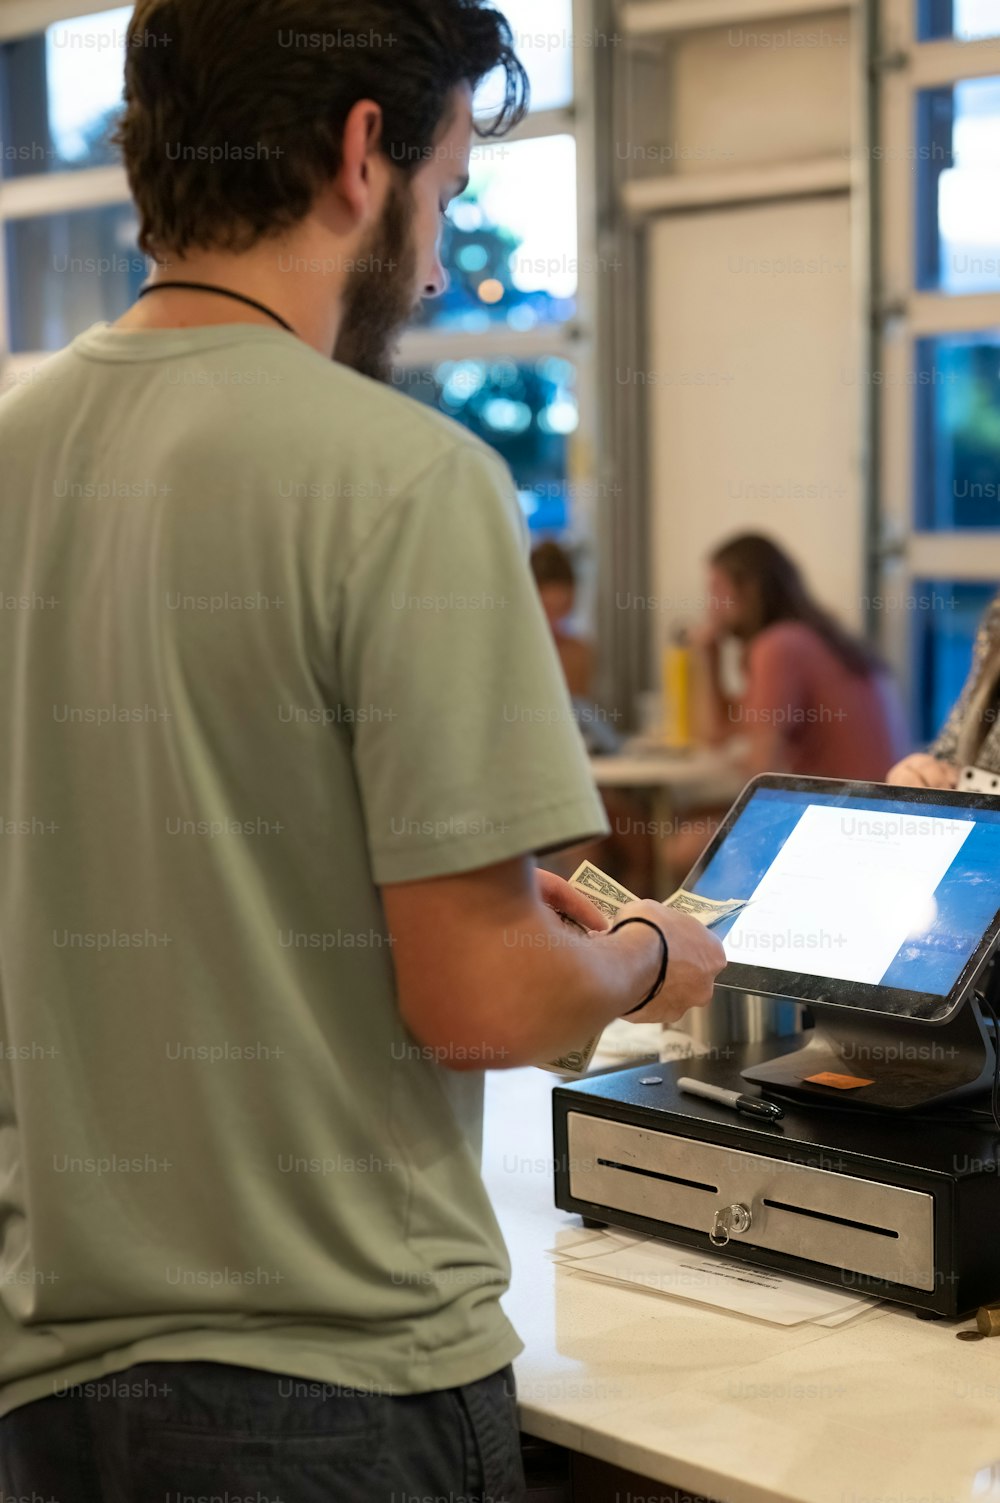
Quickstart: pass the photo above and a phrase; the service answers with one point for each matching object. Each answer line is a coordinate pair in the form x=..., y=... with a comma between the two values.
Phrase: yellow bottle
x=677, y=685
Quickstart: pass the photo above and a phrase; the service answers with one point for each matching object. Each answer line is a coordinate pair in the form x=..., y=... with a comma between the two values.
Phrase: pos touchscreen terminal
x=877, y=907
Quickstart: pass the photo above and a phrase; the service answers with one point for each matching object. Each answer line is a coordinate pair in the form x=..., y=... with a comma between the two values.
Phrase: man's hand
x=696, y=958
x=923, y=771
x=556, y=893
x=488, y=977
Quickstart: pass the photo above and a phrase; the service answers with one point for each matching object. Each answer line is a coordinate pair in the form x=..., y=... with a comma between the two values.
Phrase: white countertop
x=888, y=1409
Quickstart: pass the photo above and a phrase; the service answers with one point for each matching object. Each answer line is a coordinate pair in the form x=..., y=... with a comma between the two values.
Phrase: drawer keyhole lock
x=730, y=1221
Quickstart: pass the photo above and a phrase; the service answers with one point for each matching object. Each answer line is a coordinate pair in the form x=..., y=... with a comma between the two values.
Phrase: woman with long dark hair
x=817, y=700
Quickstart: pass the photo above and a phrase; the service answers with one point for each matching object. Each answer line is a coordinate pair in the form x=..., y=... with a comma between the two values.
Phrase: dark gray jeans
x=164, y=1432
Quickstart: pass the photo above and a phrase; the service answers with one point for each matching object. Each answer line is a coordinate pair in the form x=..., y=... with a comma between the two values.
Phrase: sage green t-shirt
x=269, y=641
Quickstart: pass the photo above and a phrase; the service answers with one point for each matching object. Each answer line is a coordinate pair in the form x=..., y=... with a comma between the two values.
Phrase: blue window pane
x=544, y=41
x=527, y=412
x=945, y=634
x=958, y=208
x=510, y=241
x=68, y=271
x=60, y=94
x=966, y=20
x=958, y=431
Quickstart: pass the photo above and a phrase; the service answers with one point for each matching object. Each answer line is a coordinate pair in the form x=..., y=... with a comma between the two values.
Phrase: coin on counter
x=988, y=1320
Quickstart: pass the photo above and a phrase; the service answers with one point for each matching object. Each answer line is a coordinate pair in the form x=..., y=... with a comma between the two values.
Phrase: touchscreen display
x=875, y=892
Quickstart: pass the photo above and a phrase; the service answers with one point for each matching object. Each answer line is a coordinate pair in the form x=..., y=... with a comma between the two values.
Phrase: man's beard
x=379, y=299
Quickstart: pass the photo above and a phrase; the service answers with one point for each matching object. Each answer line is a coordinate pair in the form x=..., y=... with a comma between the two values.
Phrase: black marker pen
x=747, y=1106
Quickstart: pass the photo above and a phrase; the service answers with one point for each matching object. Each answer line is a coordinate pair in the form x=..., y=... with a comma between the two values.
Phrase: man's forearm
x=544, y=987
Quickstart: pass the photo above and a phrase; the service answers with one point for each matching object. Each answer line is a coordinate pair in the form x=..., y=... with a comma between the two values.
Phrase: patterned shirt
x=971, y=734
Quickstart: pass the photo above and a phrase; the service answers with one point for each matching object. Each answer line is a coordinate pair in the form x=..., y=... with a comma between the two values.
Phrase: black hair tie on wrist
x=664, y=961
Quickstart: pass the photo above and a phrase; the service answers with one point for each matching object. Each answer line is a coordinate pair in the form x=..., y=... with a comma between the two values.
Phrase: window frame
x=97, y=187
x=905, y=553
x=37, y=194
x=574, y=340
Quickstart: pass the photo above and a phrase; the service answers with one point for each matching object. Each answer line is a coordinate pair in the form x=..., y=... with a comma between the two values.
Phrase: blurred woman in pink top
x=817, y=700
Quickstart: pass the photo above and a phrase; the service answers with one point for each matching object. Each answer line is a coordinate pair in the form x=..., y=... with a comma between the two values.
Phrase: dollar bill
x=611, y=897
x=708, y=911
x=603, y=891
x=577, y=1062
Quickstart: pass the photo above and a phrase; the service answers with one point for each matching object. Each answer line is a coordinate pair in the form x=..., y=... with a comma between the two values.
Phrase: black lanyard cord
x=219, y=292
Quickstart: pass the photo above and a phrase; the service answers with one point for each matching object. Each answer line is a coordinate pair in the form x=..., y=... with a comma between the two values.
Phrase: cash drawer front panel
x=819, y=1215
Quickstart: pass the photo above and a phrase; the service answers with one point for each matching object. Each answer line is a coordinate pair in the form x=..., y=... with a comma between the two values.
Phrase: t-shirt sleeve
x=467, y=753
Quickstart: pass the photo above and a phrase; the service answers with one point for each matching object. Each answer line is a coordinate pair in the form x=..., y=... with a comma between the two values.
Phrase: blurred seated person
x=627, y=853
x=971, y=736
x=555, y=577
x=817, y=701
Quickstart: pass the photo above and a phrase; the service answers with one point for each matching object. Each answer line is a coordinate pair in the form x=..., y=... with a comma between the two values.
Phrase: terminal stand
x=903, y=1064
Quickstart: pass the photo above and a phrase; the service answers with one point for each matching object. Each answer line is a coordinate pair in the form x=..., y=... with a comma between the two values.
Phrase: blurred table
x=645, y=764
x=705, y=776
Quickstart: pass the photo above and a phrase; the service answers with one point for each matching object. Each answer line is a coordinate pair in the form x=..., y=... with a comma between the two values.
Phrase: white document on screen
x=845, y=891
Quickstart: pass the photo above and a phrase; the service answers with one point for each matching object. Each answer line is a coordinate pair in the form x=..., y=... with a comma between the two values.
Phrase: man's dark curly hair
x=235, y=109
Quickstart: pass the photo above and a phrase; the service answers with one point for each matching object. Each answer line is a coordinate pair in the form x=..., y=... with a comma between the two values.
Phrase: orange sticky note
x=838, y=1082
